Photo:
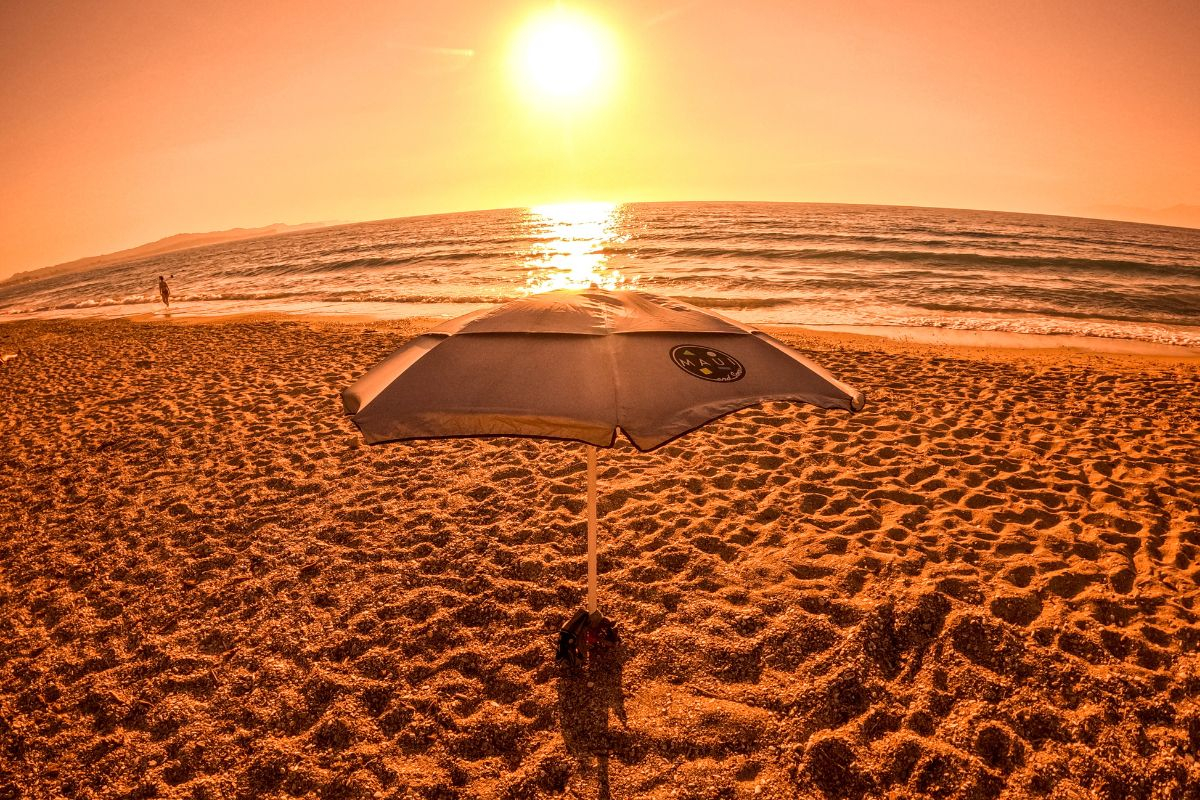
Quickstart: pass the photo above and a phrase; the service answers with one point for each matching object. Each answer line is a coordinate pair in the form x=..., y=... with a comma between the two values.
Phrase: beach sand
x=983, y=585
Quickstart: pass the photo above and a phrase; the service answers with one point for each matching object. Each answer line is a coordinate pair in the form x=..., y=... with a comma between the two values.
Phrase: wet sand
x=983, y=585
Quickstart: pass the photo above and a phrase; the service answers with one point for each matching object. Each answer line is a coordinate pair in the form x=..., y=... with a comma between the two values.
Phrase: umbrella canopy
x=581, y=365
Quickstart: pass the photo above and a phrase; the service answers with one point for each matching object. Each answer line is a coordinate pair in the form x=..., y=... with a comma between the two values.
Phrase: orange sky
x=124, y=121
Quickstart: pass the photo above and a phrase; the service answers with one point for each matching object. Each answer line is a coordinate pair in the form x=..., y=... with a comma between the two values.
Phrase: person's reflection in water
x=586, y=695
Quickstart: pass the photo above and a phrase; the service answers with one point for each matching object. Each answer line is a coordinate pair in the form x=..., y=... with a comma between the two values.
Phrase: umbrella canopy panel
x=581, y=365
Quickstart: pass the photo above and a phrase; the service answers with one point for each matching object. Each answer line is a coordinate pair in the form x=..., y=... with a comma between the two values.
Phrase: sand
x=981, y=586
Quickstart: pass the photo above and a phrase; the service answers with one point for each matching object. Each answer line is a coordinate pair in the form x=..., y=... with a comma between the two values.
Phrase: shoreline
x=953, y=338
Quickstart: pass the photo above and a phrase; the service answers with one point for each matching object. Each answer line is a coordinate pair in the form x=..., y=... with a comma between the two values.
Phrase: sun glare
x=563, y=56
x=569, y=249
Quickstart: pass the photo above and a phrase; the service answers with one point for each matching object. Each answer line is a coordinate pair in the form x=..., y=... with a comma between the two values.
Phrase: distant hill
x=1181, y=216
x=180, y=241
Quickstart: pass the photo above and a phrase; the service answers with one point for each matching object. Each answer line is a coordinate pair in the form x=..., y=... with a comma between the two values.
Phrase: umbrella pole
x=591, y=542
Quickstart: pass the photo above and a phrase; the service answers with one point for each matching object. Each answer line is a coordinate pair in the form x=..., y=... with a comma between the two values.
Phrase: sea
x=821, y=265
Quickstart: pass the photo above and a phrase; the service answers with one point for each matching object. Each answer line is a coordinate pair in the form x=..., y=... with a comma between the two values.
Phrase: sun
x=563, y=56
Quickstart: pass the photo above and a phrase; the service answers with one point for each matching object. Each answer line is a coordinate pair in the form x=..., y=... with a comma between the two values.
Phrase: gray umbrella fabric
x=582, y=365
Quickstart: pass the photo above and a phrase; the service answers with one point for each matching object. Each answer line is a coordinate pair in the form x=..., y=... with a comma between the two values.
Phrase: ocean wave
x=481, y=244
x=1051, y=327
x=375, y=263
x=766, y=262
x=898, y=236
x=736, y=302
x=955, y=259
x=271, y=299
x=1030, y=303
x=421, y=298
x=756, y=310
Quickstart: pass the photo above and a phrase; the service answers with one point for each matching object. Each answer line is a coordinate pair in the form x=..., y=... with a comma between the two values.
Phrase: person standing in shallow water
x=164, y=291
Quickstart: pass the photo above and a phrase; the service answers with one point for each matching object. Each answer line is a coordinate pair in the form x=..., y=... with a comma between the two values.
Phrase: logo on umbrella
x=706, y=363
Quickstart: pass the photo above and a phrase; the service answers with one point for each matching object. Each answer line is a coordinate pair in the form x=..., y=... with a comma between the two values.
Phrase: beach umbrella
x=580, y=365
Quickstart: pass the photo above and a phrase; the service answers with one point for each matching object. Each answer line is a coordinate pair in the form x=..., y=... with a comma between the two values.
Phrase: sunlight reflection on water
x=569, y=253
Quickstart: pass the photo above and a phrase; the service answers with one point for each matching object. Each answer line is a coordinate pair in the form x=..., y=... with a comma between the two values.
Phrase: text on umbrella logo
x=706, y=363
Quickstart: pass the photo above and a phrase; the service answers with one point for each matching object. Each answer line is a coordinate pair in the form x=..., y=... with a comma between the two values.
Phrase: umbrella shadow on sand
x=589, y=698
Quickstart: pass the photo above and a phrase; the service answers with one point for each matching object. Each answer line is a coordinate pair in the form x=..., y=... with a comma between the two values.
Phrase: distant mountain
x=1181, y=216
x=180, y=241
